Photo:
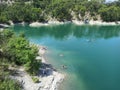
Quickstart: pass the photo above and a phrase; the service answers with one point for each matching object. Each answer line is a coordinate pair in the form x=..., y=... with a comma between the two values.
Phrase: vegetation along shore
x=60, y=11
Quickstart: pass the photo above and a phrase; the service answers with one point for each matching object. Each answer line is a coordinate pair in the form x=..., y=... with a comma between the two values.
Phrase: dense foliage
x=16, y=50
x=42, y=10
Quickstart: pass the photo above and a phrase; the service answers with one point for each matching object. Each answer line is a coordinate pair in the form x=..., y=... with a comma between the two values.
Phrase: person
x=64, y=67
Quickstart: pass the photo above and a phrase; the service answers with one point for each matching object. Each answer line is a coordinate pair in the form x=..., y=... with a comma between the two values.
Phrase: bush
x=9, y=84
x=19, y=51
x=35, y=79
x=5, y=82
x=32, y=67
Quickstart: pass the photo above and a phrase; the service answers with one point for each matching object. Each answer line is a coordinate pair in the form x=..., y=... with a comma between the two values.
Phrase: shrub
x=9, y=84
x=32, y=67
x=35, y=79
x=19, y=51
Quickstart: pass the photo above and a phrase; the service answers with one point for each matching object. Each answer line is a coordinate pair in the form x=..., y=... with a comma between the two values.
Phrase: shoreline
x=76, y=22
x=38, y=24
x=98, y=23
x=55, y=22
x=47, y=81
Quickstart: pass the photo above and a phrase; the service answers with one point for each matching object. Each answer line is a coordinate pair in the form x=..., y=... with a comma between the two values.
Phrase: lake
x=91, y=54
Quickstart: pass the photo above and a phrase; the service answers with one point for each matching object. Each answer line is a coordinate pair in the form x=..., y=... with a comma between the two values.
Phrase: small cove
x=91, y=53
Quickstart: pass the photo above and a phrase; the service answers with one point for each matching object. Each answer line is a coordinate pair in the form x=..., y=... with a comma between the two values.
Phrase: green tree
x=61, y=12
x=111, y=13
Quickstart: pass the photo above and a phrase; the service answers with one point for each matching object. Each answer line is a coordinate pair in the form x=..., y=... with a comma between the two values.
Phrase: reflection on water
x=62, y=32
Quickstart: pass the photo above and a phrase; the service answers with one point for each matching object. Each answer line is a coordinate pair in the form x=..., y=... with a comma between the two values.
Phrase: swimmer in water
x=64, y=67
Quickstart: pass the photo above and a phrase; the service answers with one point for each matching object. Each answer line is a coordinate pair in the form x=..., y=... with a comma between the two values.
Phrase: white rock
x=38, y=24
x=78, y=22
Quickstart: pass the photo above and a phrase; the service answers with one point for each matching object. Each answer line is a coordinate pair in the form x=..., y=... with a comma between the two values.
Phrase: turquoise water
x=91, y=54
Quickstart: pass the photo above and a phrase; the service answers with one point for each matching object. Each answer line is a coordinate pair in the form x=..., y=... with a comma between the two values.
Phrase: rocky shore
x=4, y=26
x=91, y=22
x=38, y=24
x=49, y=78
x=55, y=22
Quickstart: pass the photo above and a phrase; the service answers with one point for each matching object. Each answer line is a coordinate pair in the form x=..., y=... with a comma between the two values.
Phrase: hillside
x=61, y=10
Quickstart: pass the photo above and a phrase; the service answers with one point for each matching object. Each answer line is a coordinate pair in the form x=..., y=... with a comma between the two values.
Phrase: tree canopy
x=41, y=10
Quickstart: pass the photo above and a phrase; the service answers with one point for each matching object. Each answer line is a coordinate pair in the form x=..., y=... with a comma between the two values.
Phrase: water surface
x=91, y=54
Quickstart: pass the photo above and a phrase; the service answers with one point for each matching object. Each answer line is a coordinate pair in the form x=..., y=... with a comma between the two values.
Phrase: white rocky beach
x=50, y=22
x=92, y=22
x=77, y=22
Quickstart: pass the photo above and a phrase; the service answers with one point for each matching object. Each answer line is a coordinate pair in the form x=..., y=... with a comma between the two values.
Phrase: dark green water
x=91, y=54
